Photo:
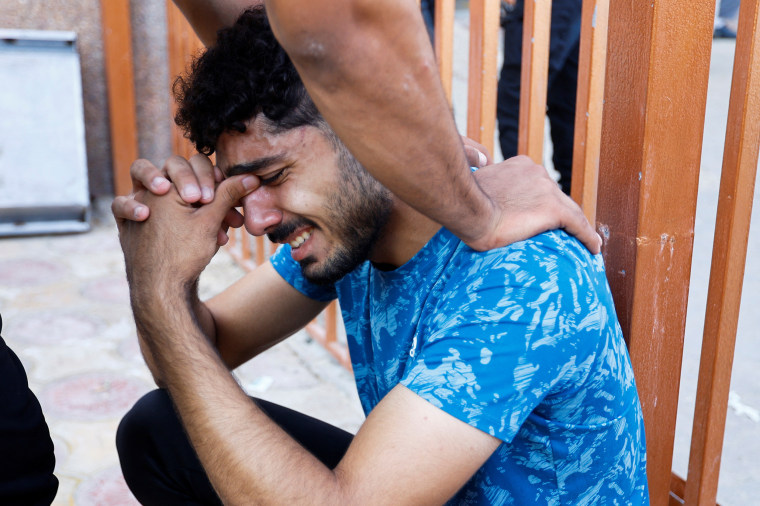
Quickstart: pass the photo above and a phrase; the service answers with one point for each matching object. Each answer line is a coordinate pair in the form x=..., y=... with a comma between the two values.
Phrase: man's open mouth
x=294, y=233
x=301, y=238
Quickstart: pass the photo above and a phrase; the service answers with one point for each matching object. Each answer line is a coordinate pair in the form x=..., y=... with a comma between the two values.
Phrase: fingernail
x=190, y=191
x=249, y=182
x=158, y=181
x=482, y=159
x=138, y=212
x=207, y=193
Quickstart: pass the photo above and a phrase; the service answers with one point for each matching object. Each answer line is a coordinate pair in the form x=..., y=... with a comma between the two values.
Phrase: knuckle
x=201, y=160
x=140, y=166
x=175, y=164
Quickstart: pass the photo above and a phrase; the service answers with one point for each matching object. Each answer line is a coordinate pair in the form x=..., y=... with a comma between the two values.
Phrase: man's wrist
x=159, y=300
x=475, y=230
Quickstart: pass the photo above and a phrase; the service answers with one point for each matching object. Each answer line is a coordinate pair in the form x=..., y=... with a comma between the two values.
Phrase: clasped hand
x=172, y=248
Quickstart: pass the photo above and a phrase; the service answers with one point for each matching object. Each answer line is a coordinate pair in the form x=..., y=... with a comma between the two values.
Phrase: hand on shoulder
x=527, y=201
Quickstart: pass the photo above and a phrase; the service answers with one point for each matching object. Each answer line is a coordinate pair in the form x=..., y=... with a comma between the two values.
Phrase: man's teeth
x=300, y=239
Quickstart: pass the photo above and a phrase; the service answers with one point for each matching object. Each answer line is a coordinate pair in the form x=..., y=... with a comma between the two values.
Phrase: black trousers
x=161, y=467
x=26, y=450
x=562, y=83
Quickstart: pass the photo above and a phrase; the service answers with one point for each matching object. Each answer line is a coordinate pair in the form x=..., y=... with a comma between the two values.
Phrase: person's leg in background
x=161, y=467
x=726, y=19
x=729, y=9
x=27, y=459
x=562, y=85
x=561, y=111
x=508, y=100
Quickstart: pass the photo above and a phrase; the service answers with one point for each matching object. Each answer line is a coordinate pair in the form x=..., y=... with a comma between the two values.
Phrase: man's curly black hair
x=245, y=73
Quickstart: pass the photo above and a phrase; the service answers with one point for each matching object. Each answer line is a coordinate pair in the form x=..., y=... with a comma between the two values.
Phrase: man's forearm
x=371, y=71
x=208, y=16
x=244, y=453
x=200, y=314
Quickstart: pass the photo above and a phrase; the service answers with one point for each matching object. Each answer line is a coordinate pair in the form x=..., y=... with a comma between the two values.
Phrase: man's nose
x=260, y=211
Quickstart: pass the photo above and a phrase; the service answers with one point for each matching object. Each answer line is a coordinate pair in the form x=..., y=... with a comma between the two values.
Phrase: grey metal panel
x=43, y=162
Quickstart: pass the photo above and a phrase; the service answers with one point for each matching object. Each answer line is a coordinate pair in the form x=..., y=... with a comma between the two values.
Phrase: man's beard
x=357, y=211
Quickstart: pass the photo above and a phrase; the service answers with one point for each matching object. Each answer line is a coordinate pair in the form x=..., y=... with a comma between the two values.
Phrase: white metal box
x=43, y=161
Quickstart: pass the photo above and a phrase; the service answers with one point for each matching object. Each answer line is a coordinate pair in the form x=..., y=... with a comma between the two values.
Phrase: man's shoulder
x=545, y=252
x=551, y=272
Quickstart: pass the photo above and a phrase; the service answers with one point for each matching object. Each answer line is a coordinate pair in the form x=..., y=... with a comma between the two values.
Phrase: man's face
x=313, y=196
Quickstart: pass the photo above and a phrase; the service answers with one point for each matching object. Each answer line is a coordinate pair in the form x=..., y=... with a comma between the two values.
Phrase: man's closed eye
x=264, y=181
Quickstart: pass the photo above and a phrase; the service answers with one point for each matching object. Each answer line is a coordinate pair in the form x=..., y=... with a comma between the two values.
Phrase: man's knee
x=155, y=454
x=144, y=430
x=148, y=415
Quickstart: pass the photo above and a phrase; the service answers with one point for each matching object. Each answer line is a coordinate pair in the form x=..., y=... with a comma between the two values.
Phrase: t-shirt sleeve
x=502, y=338
x=290, y=270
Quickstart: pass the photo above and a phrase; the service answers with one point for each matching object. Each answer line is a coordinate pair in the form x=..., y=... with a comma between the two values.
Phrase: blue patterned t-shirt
x=521, y=342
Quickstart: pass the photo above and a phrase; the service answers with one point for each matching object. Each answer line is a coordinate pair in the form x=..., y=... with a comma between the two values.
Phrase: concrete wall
x=148, y=19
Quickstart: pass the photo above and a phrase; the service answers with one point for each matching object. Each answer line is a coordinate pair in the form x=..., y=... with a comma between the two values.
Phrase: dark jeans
x=161, y=467
x=26, y=450
x=561, y=89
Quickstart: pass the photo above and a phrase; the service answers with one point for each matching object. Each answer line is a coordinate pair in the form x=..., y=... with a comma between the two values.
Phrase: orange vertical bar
x=331, y=334
x=260, y=252
x=183, y=44
x=589, y=104
x=120, y=84
x=656, y=92
x=232, y=234
x=483, y=75
x=737, y=184
x=533, y=82
x=444, y=42
x=245, y=248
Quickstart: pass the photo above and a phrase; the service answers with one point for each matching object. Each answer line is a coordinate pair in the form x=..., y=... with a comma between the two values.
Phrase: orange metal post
x=589, y=104
x=232, y=234
x=326, y=335
x=120, y=83
x=653, y=120
x=259, y=247
x=483, y=75
x=533, y=83
x=183, y=45
x=737, y=185
x=444, y=42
